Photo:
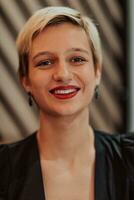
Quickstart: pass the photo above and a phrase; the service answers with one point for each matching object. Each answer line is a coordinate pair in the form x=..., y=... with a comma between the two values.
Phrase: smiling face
x=62, y=75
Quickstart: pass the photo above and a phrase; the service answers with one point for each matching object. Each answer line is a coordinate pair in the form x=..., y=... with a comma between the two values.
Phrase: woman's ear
x=25, y=82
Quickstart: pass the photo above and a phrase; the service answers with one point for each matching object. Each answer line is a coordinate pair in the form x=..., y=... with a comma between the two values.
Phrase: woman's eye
x=78, y=60
x=44, y=63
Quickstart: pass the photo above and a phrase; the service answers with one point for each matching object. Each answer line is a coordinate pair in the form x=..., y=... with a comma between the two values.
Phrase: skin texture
x=61, y=56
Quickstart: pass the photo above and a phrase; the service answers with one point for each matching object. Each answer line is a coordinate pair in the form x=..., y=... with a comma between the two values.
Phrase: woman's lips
x=64, y=92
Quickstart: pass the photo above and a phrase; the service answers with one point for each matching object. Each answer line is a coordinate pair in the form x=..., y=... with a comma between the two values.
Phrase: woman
x=60, y=69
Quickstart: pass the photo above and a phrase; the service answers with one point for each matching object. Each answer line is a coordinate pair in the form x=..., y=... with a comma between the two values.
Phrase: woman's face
x=62, y=76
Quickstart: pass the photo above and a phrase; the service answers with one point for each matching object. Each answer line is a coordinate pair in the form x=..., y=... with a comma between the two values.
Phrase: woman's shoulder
x=12, y=155
x=9, y=152
x=122, y=139
x=17, y=144
x=123, y=142
x=14, y=158
x=127, y=146
x=109, y=142
x=119, y=146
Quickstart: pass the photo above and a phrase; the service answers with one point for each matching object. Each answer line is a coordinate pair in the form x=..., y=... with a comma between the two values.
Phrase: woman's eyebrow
x=42, y=53
x=78, y=50
x=47, y=53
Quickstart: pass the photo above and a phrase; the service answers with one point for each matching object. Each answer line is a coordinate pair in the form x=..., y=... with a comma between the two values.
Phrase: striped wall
x=130, y=36
x=108, y=113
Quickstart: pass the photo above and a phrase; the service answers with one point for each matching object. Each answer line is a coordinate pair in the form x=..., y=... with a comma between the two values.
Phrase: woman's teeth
x=64, y=91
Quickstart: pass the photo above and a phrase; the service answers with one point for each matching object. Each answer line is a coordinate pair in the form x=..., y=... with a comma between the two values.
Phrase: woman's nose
x=62, y=73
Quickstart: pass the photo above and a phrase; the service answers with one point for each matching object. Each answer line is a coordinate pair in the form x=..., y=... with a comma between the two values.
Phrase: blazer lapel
x=27, y=178
x=101, y=185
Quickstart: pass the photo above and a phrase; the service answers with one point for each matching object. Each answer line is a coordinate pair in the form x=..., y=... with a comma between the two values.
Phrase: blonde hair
x=51, y=16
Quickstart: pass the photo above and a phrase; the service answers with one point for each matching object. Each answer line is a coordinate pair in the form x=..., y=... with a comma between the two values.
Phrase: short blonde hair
x=51, y=16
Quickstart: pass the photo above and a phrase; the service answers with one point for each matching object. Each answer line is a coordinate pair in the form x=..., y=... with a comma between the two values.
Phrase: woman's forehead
x=61, y=37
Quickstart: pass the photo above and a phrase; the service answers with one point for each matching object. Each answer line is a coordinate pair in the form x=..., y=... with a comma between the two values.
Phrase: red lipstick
x=64, y=92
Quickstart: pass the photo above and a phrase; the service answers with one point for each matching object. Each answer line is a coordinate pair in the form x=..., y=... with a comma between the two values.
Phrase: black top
x=21, y=178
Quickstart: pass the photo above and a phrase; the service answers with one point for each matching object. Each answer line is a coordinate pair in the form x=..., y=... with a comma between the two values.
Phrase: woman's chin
x=64, y=111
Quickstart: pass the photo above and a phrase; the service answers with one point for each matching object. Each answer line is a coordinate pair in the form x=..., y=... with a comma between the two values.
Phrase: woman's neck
x=65, y=137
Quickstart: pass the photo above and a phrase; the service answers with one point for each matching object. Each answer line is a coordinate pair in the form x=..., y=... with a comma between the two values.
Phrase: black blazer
x=21, y=178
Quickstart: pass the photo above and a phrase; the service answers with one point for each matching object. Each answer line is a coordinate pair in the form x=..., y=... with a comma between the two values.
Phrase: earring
x=96, y=92
x=30, y=101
